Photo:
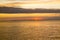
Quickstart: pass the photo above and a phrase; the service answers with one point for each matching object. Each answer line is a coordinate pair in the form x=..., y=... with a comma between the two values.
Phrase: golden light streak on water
x=3, y=15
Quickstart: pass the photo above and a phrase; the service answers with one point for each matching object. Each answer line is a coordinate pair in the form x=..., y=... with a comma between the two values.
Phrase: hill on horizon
x=22, y=10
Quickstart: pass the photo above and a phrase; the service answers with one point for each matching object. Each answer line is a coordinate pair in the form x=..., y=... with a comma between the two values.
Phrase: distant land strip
x=21, y=10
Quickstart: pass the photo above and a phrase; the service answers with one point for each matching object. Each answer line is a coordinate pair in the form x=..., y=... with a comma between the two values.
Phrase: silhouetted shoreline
x=21, y=10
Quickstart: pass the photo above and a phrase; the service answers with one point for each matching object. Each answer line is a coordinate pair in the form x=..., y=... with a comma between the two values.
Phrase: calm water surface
x=30, y=30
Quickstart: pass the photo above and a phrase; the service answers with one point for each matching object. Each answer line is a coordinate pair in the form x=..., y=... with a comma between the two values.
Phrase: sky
x=44, y=1
x=55, y=4
x=2, y=1
x=8, y=1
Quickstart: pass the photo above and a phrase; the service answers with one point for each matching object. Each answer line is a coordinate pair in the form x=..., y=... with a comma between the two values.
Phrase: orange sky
x=39, y=4
x=48, y=4
x=28, y=1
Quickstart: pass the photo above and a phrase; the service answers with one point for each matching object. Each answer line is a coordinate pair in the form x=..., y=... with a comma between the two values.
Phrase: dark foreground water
x=30, y=30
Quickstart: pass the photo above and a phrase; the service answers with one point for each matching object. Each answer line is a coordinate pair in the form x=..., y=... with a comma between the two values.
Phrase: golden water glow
x=30, y=15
